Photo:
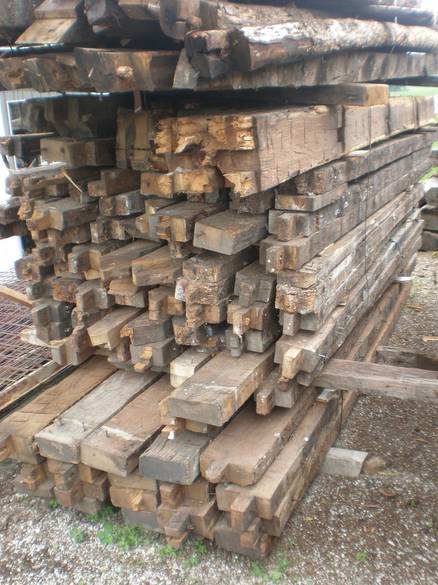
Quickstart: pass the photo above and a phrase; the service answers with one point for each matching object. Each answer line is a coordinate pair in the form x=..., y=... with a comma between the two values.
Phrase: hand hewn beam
x=380, y=380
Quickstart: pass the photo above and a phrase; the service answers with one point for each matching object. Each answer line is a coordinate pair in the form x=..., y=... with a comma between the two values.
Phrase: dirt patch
x=378, y=529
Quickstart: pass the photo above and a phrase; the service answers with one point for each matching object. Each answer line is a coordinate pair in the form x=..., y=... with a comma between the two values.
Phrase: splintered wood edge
x=291, y=363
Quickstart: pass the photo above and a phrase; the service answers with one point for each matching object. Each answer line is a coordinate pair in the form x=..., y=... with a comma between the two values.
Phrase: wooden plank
x=264, y=497
x=229, y=232
x=145, y=519
x=156, y=268
x=79, y=152
x=319, y=270
x=19, y=429
x=59, y=9
x=361, y=344
x=380, y=380
x=15, y=296
x=342, y=94
x=116, y=70
x=175, y=461
x=68, y=31
x=107, y=331
x=348, y=67
x=15, y=18
x=212, y=398
x=234, y=456
x=253, y=47
x=143, y=329
x=116, y=445
x=61, y=214
x=54, y=72
x=186, y=364
x=117, y=262
x=410, y=12
x=62, y=439
x=213, y=267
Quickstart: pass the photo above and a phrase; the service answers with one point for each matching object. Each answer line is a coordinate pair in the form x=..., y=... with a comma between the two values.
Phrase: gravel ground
x=375, y=530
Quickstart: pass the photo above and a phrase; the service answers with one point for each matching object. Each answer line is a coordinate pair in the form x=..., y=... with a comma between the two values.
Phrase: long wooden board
x=115, y=446
x=217, y=390
x=380, y=380
x=243, y=451
x=18, y=430
x=62, y=439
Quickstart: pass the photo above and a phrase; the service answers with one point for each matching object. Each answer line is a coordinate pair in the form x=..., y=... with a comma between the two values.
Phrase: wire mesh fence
x=16, y=357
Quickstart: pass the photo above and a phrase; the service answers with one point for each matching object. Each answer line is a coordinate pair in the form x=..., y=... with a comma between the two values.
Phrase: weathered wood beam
x=255, y=47
x=380, y=380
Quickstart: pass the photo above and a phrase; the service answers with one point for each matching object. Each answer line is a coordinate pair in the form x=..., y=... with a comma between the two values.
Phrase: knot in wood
x=124, y=72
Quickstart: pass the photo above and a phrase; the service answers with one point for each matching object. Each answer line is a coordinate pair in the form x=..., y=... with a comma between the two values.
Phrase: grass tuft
x=105, y=513
x=77, y=534
x=121, y=535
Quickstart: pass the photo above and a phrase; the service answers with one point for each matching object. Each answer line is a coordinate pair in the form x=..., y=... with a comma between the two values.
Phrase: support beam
x=380, y=380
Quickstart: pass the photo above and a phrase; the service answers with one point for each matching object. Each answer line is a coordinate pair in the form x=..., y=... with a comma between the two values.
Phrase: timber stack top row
x=214, y=248
x=162, y=45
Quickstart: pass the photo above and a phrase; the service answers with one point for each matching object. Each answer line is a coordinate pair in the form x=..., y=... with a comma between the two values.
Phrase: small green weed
x=274, y=576
x=277, y=574
x=200, y=547
x=105, y=513
x=52, y=504
x=192, y=561
x=258, y=570
x=168, y=551
x=77, y=534
x=361, y=556
x=123, y=536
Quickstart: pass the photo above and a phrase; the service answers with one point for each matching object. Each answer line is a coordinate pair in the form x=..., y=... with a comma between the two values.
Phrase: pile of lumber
x=429, y=215
x=98, y=436
x=155, y=232
x=201, y=256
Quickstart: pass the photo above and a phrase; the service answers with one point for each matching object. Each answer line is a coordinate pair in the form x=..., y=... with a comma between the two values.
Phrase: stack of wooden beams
x=214, y=248
x=429, y=214
x=97, y=436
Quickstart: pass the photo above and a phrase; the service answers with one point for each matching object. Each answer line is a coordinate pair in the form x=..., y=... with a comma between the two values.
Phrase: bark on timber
x=256, y=47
